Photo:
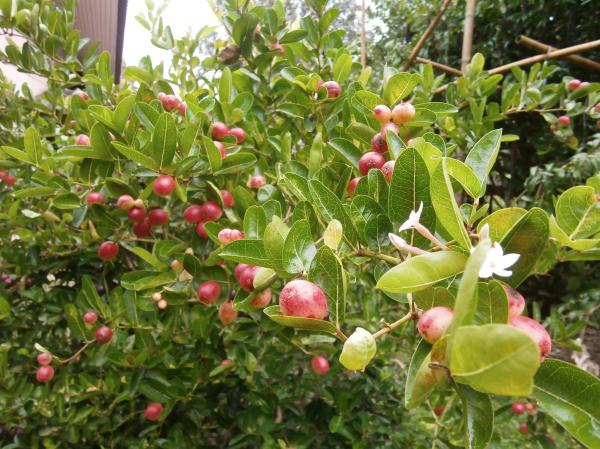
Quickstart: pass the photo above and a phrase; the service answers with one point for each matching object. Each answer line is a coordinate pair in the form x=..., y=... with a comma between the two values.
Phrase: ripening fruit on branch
x=518, y=408
x=535, y=330
x=246, y=278
x=370, y=160
x=169, y=102
x=228, y=200
x=227, y=235
x=208, y=292
x=158, y=217
x=10, y=180
x=182, y=108
x=402, y=113
x=302, y=298
x=379, y=144
x=276, y=46
x=262, y=299
x=523, y=428
x=227, y=314
x=103, y=334
x=210, y=211
x=553, y=128
x=238, y=270
x=44, y=374
x=564, y=120
x=136, y=214
x=153, y=411
x=256, y=182
x=382, y=113
x=439, y=410
x=142, y=229
x=90, y=317
x=81, y=94
x=531, y=408
x=95, y=198
x=44, y=359
x=108, y=250
x=388, y=170
x=201, y=230
x=82, y=140
x=164, y=185
x=221, y=148
x=434, y=322
x=516, y=302
x=193, y=214
x=388, y=127
x=319, y=365
x=238, y=133
x=125, y=202
x=352, y=186
x=219, y=130
x=334, y=90
x=574, y=84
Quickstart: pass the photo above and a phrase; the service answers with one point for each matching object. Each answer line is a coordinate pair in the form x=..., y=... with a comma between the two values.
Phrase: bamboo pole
x=423, y=38
x=468, y=35
x=533, y=59
x=437, y=65
x=363, y=37
x=543, y=48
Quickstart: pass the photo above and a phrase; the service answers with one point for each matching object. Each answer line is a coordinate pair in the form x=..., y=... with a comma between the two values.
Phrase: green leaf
x=146, y=256
x=342, y=67
x=438, y=108
x=164, y=140
x=330, y=207
x=236, y=162
x=299, y=249
x=527, y=237
x=213, y=154
x=434, y=297
x=255, y=222
x=225, y=86
x=444, y=203
x=4, y=308
x=570, y=396
x=293, y=36
x=251, y=252
x=478, y=417
x=501, y=221
x=274, y=240
x=192, y=265
x=66, y=200
x=146, y=114
x=420, y=379
x=399, y=86
x=17, y=154
x=33, y=146
x=101, y=141
x=136, y=156
x=144, y=280
x=578, y=212
x=315, y=155
x=347, y=150
x=465, y=176
x=88, y=289
x=420, y=272
x=75, y=321
x=122, y=112
x=494, y=358
x=483, y=155
x=492, y=304
x=309, y=324
x=328, y=273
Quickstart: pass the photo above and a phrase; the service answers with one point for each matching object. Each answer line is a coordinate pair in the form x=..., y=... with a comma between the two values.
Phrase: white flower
x=398, y=242
x=413, y=219
x=496, y=262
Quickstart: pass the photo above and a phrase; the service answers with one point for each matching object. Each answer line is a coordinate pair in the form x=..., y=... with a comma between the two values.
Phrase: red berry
x=535, y=330
x=553, y=128
x=523, y=428
x=227, y=235
x=320, y=365
x=142, y=229
x=10, y=180
x=82, y=140
x=219, y=130
x=104, y=334
x=518, y=408
x=81, y=94
x=211, y=211
x=246, y=278
x=226, y=362
x=161, y=96
x=170, y=102
x=564, y=120
x=193, y=214
x=439, y=410
x=164, y=185
x=44, y=359
x=402, y=113
x=388, y=127
x=382, y=113
x=201, y=230
x=238, y=133
x=433, y=323
x=262, y=299
x=278, y=47
x=108, y=250
x=44, y=374
x=334, y=90
x=239, y=268
x=388, y=170
x=90, y=317
x=370, y=160
x=227, y=197
x=125, y=202
x=303, y=299
x=379, y=144
x=208, y=292
x=574, y=84
x=95, y=198
x=153, y=411
x=136, y=214
x=352, y=186
x=158, y=217
x=3, y=174
x=182, y=108
x=531, y=408
x=227, y=314
x=256, y=182
x=516, y=302
x=221, y=148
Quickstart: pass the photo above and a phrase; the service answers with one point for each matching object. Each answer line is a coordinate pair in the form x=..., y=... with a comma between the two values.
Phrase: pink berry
x=44, y=359
x=564, y=120
x=227, y=235
x=246, y=278
x=352, y=186
x=379, y=144
x=256, y=182
x=82, y=140
x=228, y=200
x=219, y=130
x=170, y=102
x=201, y=230
x=370, y=160
x=182, y=108
x=95, y=198
x=334, y=90
x=153, y=411
x=535, y=330
x=211, y=211
x=10, y=180
x=518, y=408
x=125, y=202
x=142, y=229
x=193, y=214
x=239, y=268
x=208, y=292
x=574, y=84
x=433, y=323
x=136, y=214
x=108, y=250
x=388, y=170
x=516, y=302
x=439, y=410
x=90, y=317
x=164, y=185
x=44, y=374
x=523, y=428
x=81, y=94
x=158, y=217
x=262, y=299
x=402, y=113
x=382, y=113
x=104, y=334
x=238, y=133
x=388, y=127
x=227, y=314
x=221, y=148
x=320, y=365
x=553, y=128
x=303, y=299
x=278, y=47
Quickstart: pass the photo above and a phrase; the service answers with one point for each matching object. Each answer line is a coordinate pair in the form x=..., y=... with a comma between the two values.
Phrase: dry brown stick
x=423, y=38
x=533, y=59
x=543, y=48
x=468, y=34
x=437, y=65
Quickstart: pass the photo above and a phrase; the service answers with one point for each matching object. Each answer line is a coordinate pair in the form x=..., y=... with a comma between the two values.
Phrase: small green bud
x=333, y=234
x=358, y=350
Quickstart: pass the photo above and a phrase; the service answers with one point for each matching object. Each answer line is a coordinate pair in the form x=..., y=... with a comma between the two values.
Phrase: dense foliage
x=126, y=212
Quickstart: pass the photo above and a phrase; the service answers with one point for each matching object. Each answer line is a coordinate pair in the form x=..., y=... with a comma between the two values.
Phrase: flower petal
x=398, y=242
x=503, y=273
x=486, y=271
x=508, y=260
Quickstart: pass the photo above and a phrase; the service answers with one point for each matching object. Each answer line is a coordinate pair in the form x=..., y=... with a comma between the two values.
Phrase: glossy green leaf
x=298, y=249
x=225, y=86
x=164, y=140
x=255, y=222
x=33, y=146
x=330, y=207
x=274, y=240
x=478, y=417
x=309, y=324
x=4, y=308
x=578, y=212
x=492, y=303
x=433, y=297
x=483, y=155
x=136, y=156
x=251, y=252
x=501, y=221
x=144, y=280
x=399, y=86
x=347, y=150
x=236, y=162
x=421, y=379
x=328, y=273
